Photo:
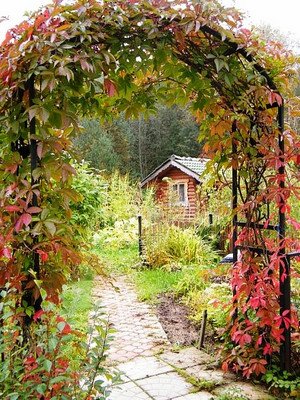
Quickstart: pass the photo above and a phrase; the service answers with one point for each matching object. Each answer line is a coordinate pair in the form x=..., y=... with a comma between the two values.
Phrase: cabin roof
x=190, y=165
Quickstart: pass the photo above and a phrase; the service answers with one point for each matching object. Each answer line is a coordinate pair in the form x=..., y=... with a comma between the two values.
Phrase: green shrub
x=171, y=246
x=87, y=211
x=122, y=234
x=283, y=381
x=123, y=199
x=152, y=282
x=40, y=368
x=214, y=298
x=120, y=261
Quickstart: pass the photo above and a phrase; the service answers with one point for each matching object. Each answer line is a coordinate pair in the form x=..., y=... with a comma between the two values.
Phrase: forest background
x=138, y=146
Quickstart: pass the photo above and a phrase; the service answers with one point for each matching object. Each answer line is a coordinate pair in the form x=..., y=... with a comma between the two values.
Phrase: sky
x=280, y=14
x=283, y=15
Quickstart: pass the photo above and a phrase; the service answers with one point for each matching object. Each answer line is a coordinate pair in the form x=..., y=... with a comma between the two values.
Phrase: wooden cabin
x=175, y=182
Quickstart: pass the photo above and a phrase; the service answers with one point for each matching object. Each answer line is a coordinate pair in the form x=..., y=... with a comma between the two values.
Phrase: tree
x=173, y=130
x=139, y=146
x=95, y=145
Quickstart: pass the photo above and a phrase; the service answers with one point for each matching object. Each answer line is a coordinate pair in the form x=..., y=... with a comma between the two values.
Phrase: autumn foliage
x=102, y=58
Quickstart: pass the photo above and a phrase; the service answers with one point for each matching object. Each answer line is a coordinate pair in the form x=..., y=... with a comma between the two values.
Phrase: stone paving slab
x=218, y=377
x=138, y=331
x=187, y=357
x=166, y=386
x=128, y=391
x=143, y=367
x=252, y=392
x=196, y=396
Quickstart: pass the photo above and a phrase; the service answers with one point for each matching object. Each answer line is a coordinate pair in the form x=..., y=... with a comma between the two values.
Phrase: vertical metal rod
x=33, y=164
x=284, y=283
x=202, y=329
x=234, y=195
x=140, y=235
x=234, y=200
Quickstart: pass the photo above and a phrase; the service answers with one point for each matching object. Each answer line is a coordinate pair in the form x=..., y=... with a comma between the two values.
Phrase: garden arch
x=105, y=57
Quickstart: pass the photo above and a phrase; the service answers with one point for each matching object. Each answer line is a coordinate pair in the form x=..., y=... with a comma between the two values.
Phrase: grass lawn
x=149, y=282
x=77, y=303
x=118, y=261
x=152, y=282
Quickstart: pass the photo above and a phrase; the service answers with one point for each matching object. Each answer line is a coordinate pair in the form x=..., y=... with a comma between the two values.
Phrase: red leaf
x=67, y=328
x=12, y=168
x=267, y=349
x=25, y=219
x=43, y=254
x=274, y=98
x=33, y=210
x=29, y=360
x=225, y=366
x=12, y=208
x=5, y=252
x=109, y=87
x=38, y=315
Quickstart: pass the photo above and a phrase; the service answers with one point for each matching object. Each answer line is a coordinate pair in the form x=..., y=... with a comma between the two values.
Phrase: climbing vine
x=101, y=58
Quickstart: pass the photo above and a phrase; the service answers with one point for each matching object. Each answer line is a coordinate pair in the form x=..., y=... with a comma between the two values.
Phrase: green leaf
x=50, y=227
x=47, y=365
x=57, y=379
x=52, y=343
x=41, y=388
x=219, y=64
x=44, y=213
x=61, y=325
x=14, y=396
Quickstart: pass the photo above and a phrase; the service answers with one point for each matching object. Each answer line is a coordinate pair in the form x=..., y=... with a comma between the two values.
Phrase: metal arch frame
x=285, y=285
x=285, y=296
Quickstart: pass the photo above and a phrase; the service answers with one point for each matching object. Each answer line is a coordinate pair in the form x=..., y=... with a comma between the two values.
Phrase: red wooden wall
x=177, y=176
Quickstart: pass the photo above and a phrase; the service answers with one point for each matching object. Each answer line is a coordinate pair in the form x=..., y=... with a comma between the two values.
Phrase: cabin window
x=180, y=192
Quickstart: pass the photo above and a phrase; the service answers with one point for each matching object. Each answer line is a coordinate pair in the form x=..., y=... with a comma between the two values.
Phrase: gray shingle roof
x=194, y=164
x=190, y=165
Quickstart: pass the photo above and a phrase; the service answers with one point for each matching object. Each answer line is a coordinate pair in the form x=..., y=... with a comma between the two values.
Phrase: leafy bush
x=215, y=200
x=39, y=368
x=122, y=234
x=123, y=204
x=88, y=196
x=87, y=209
x=152, y=282
x=283, y=381
x=122, y=201
x=171, y=246
x=215, y=298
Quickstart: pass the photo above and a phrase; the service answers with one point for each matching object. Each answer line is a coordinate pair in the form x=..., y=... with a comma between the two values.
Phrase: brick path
x=143, y=356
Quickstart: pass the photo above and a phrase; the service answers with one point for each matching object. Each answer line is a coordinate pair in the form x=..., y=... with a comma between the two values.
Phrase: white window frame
x=184, y=203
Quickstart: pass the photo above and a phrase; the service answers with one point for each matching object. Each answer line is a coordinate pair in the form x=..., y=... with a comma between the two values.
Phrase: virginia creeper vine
x=91, y=57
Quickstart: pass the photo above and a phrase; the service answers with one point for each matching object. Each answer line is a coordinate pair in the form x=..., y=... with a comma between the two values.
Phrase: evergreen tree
x=139, y=146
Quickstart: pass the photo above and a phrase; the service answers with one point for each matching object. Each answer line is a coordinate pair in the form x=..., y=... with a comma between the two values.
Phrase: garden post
x=284, y=272
x=140, y=235
x=33, y=166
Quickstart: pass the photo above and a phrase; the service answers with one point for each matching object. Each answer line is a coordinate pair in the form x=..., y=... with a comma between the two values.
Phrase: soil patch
x=173, y=317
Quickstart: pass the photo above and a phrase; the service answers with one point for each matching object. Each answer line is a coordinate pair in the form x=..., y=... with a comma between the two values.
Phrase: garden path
x=149, y=367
